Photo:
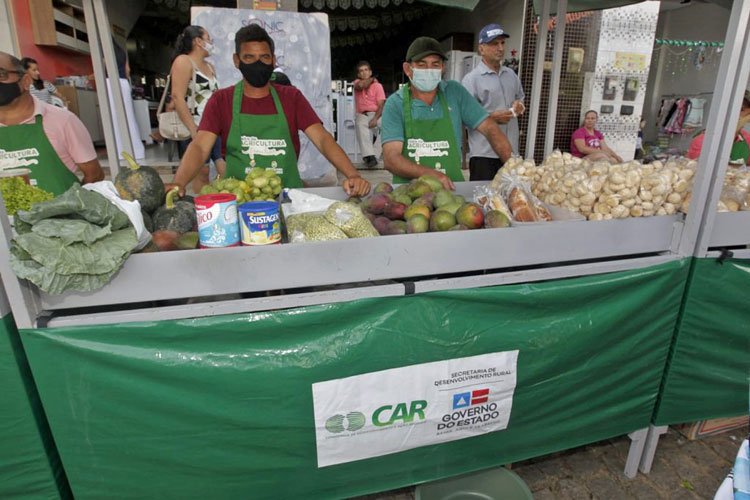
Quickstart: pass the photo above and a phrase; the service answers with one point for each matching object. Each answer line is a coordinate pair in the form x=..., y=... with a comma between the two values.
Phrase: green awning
x=459, y=4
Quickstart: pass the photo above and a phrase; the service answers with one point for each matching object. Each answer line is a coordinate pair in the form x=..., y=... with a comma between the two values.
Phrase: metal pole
x=720, y=127
x=24, y=302
x=100, y=76
x=737, y=95
x=105, y=34
x=536, y=86
x=554, y=84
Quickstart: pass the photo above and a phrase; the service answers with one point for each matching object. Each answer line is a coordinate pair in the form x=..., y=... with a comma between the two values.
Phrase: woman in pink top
x=587, y=142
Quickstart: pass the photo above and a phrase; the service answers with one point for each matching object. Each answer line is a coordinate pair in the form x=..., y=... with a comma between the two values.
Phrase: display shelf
x=730, y=229
x=215, y=272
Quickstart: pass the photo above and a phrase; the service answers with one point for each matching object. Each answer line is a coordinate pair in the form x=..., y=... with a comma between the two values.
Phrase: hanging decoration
x=306, y=3
x=332, y=4
x=358, y=4
x=345, y=4
x=319, y=4
x=371, y=3
x=686, y=43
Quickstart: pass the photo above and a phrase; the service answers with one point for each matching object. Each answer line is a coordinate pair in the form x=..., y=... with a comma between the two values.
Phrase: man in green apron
x=422, y=122
x=259, y=123
x=51, y=142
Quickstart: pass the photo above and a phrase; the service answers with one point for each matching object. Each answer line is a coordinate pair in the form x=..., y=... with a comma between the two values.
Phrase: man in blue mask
x=259, y=123
x=422, y=122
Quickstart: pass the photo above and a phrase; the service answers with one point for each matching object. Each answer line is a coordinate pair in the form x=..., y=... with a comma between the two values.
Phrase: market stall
x=28, y=458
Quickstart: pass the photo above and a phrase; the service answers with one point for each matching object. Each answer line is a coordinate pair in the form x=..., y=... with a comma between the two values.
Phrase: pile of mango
x=424, y=205
x=258, y=185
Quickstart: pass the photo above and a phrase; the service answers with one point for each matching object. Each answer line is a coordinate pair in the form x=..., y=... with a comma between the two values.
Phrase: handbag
x=170, y=124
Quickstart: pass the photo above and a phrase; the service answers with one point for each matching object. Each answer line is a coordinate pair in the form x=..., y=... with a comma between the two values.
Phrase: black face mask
x=8, y=92
x=256, y=74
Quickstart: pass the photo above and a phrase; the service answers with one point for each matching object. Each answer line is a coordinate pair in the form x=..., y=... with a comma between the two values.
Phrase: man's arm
x=354, y=184
x=397, y=164
x=378, y=113
x=193, y=159
x=363, y=84
x=496, y=138
x=502, y=116
x=92, y=171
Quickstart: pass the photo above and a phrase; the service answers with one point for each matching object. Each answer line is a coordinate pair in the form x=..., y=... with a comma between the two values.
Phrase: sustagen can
x=259, y=223
x=217, y=220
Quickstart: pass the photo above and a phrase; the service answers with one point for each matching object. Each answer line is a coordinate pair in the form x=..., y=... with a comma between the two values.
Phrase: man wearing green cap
x=422, y=122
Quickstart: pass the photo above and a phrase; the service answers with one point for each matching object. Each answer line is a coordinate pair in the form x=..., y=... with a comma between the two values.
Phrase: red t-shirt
x=217, y=116
x=592, y=141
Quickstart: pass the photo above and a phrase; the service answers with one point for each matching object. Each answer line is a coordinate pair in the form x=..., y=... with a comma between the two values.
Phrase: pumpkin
x=142, y=184
x=147, y=221
x=175, y=215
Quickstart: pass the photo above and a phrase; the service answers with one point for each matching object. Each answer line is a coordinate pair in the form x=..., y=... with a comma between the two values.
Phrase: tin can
x=259, y=223
x=217, y=220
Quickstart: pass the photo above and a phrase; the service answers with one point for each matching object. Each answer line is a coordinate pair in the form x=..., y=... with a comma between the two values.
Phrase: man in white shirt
x=498, y=89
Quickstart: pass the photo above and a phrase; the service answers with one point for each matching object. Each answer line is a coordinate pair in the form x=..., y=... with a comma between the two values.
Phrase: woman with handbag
x=193, y=82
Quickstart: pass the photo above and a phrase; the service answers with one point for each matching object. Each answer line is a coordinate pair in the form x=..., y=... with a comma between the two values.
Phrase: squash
x=175, y=215
x=142, y=184
x=147, y=221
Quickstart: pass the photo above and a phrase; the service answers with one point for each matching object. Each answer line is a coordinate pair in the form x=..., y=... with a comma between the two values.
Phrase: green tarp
x=222, y=407
x=709, y=366
x=29, y=466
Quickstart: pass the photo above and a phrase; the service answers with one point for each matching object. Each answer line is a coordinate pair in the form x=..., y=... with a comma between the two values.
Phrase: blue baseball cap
x=490, y=32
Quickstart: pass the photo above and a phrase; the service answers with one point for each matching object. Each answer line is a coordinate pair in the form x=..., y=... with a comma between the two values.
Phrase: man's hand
x=356, y=186
x=518, y=107
x=373, y=123
x=444, y=179
x=170, y=185
x=501, y=116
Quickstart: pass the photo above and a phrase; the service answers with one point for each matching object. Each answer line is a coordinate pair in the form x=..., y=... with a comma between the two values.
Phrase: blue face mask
x=426, y=80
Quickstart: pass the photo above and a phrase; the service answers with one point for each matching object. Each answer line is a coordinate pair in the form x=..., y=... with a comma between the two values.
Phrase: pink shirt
x=592, y=141
x=66, y=133
x=368, y=99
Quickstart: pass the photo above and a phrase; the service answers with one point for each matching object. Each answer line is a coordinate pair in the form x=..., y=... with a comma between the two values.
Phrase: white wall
x=698, y=21
x=625, y=32
x=7, y=30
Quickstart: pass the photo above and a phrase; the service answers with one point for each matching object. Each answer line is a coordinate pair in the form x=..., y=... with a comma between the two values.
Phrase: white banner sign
x=403, y=408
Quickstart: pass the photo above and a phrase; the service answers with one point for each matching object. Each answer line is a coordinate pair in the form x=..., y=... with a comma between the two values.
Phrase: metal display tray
x=730, y=229
x=206, y=272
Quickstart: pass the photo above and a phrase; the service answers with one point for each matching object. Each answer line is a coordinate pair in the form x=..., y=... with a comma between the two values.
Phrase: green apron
x=430, y=143
x=27, y=146
x=261, y=141
x=740, y=150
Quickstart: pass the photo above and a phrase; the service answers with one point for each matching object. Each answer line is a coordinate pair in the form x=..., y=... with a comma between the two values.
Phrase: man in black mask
x=259, y=123
x=51, y=142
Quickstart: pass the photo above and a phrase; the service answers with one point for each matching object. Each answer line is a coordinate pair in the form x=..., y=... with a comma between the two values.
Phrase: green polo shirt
x=462, y=107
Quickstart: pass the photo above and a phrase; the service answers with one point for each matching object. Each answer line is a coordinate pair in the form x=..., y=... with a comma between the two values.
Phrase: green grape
x=18, y=195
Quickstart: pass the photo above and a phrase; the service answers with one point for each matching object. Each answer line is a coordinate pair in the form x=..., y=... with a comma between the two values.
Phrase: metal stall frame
x=706, y=230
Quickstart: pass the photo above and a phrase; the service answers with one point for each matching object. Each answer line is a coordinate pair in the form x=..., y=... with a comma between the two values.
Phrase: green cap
x=423, y=47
